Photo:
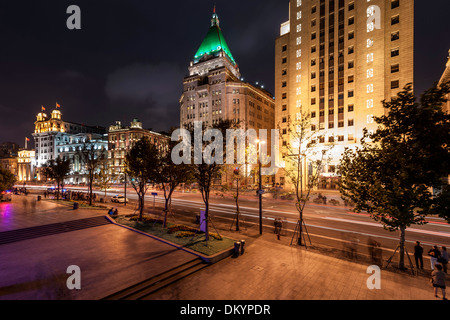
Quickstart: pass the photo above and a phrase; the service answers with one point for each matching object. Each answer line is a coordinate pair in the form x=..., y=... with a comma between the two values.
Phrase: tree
x=170, y=176
x=91, y=157
x=103, y=178
x=205, y=172
x=304, y=162
x=141, y=166
x=57, y=170
x=7, y=180
x=393, y=173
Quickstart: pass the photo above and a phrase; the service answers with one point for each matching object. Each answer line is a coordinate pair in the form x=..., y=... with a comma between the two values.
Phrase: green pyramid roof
x=214, y=42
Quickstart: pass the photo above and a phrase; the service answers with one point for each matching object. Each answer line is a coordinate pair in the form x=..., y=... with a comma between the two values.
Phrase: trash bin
x=242, y=246
x=237, y=249
x=75, y=205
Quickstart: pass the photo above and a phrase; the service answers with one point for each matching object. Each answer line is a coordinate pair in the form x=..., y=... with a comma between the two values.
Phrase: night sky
x=129, y=59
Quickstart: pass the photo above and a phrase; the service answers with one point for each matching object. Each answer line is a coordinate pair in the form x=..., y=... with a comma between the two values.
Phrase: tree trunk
x=206, y=221
x=237, y=205
x=141, y=205
x=166, y=208
x=401, y=263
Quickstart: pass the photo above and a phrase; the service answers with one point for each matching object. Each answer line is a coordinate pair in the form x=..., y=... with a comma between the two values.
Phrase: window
x=284, y=84
x=395, y=68
x=284, y=107
x=351, y=6
x=284, y=95
x=395, y=35
x=351, y=79
x=351, y=107
x=313, y=100
x=284, y=60
x=351, y=21
x=350, y=122
x=395, y=84
x=351, y=35
x=350, y=93
x=313, y=88
x=313, y=36
x=395, y=52
x=395, y=20
x=351, y=64
x=284, y=72
x=313, y=114
x=351, y=50
x=395, y=4
x=313, y=9
x=284, y=48
x=313, y=75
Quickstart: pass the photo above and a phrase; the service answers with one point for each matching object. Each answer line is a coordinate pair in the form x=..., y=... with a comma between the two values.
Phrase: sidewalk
x=271, y=270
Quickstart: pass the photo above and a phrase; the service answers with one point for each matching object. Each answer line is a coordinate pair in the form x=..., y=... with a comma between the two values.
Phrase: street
x=333, y=227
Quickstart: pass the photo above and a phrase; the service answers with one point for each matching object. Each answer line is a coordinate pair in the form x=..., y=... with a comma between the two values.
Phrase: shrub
x=180, y=227
x=185, y=234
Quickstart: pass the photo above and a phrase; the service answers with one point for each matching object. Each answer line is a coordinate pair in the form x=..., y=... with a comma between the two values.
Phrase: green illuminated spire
x=214, y=42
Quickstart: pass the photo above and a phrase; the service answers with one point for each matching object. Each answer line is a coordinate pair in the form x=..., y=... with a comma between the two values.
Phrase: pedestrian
x=434, y=254
x=444, y=258
x=438, y=281
x=418, y=255
x=324, y=200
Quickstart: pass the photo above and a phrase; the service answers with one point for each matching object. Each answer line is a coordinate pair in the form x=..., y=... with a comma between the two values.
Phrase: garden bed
x=186, y=236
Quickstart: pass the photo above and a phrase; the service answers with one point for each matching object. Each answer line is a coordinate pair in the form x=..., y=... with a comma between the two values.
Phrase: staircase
x=51, y=229
x=147, y=287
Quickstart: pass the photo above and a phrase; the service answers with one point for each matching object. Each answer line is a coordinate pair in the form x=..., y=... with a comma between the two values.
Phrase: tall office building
x=338, y=60
x=214, y=90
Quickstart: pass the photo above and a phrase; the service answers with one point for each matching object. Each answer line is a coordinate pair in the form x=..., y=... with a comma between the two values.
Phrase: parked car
x=5, y=196
x=119, y=199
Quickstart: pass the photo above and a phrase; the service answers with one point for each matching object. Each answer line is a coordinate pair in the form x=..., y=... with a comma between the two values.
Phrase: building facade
x=122, y=138
x=446, y=79
x=337, y=60
x=51, y=133
x=25, y=165
x=214, y=90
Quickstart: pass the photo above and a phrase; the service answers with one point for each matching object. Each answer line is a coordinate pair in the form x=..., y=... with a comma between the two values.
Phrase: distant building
x=214, y=90
x=9, y=149
x=337, y=60
x=25, y=165
x=10, y=164
x=122, y=138
x=70, y=148
x=51, y=133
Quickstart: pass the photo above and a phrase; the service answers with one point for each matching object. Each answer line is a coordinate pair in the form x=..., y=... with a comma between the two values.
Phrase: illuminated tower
x=338, y=60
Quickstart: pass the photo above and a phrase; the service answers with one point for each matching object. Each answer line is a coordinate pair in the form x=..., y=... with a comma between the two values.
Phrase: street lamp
x=260, y=185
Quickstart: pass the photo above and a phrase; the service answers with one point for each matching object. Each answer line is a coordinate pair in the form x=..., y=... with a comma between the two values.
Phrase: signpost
x=154, y=194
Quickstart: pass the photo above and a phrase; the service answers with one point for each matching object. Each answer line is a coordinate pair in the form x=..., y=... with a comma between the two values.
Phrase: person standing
x=444, y=258
x=438, y=280
x=418, y=255
x=434, y=254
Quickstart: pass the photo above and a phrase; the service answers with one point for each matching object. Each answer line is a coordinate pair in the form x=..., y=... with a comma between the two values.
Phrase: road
x=327, y=225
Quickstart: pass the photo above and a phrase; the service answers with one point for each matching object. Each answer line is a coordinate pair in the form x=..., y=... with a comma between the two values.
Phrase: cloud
x=151, y=90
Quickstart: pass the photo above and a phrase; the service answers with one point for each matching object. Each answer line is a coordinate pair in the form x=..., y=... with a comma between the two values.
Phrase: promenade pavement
x=112, y=258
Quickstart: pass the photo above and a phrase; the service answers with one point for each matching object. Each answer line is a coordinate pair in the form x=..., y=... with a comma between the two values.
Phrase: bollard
x=75, y=205
x=237, y=249
x=242, y=246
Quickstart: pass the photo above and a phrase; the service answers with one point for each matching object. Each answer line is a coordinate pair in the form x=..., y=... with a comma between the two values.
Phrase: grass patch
x=81, y=204
x=179, y=234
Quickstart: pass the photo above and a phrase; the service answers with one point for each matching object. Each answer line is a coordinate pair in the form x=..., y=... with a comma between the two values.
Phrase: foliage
x=57, y=170
x=393, y=173
x=7, y=180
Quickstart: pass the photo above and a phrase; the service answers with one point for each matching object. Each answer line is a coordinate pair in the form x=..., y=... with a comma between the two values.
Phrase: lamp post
x=260, y=186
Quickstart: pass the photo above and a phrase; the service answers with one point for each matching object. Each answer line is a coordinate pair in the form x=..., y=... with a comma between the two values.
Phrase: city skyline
x=112, y=69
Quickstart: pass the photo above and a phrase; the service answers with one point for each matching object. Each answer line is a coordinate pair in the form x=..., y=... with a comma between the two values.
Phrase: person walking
x=434, y=254
x=444, y=258
x=438, y=280
x=418, y=255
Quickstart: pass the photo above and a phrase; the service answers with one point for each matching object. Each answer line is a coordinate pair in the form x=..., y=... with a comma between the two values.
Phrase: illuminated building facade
x=446, y=79
x=25, y=165
x=51, y=133
x=121, y=139
x=214, y=91
x=338, y=60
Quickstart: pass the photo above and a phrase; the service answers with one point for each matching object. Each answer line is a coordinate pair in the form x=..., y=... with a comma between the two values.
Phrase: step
x=51, y=229
x=153, y=284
